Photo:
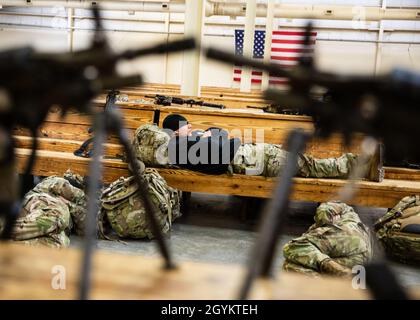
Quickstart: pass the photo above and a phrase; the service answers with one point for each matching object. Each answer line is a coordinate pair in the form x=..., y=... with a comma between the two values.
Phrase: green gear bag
x=150, y=145
x=391, y=230
x=122, y=206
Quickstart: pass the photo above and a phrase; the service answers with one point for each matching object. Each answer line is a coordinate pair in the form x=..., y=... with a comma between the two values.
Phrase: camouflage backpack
x=122, y=207
x=399, y=230
x=150, y=144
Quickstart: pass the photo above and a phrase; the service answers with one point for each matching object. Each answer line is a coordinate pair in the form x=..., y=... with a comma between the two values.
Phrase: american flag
x=286, y=48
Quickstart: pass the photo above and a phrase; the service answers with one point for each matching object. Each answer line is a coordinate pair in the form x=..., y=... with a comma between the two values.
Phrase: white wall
x=340, y=48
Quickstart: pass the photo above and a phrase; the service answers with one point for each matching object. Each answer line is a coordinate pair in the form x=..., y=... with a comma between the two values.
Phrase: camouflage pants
x=43, y=220
x=269, y=159
x=337, y=235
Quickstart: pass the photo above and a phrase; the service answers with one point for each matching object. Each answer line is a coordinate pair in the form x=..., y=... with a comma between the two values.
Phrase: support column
x=251, y=10
x=193, y=24
x=167, y=30
x=378, y=55
x=268, y=37
x=70, y=27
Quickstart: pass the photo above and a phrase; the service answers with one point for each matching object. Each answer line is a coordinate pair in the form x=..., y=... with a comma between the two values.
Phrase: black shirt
x=211, y=155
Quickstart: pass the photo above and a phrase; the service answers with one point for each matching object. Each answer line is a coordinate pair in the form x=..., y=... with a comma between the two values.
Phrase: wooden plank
x=205, y=90
x=122, y=276
x=133, y=118
x=65, y=131
x=402, y=174
x=56, y=163
x=75, y=126
x=385, y=194
x=114, y=276
x=69, y=146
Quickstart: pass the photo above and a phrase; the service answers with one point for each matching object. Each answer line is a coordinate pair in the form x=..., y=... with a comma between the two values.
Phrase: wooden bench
x=385, y=194
x=61, y=137
x=122, y=276
x=231, y=98
x=275, y=127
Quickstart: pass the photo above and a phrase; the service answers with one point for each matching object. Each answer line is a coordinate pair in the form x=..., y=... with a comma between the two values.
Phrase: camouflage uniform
x=122, y=207
x=49, y=211
x=44, y=220
x=333, y=245
x=150, y=144
x=269, y=159
x=73, y=197
x=399, y=230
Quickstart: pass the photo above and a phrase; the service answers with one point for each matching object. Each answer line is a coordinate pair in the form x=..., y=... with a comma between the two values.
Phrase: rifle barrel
x=213, y=105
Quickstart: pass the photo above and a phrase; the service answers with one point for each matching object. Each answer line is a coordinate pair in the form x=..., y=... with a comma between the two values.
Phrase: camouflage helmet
x=75, y=179
x=333, y=211
x=150, y=145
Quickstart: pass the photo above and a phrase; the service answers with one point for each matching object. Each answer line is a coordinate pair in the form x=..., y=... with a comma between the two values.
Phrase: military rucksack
x=122, y=206
x=150, y=145
x=399, y=230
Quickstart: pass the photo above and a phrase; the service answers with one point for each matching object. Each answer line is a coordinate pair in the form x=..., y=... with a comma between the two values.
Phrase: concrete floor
x=215, y=231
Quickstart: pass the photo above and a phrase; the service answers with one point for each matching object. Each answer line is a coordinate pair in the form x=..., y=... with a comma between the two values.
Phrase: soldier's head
x=178, y=124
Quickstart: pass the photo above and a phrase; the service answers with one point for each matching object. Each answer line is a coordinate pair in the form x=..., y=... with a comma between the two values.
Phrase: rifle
x=168, y=100
x=273, y=108
x=69, y=80
x=83, y=151
x=405, y=163
x=357, y=104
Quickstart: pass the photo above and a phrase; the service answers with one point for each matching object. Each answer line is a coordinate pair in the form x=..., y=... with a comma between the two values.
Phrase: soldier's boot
x=373, y=167
x=331, y=267
x=376, y=170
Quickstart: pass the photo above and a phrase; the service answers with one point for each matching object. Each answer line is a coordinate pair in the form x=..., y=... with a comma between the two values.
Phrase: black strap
x=156, y=117
x=383, y=284
x=82, y=151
